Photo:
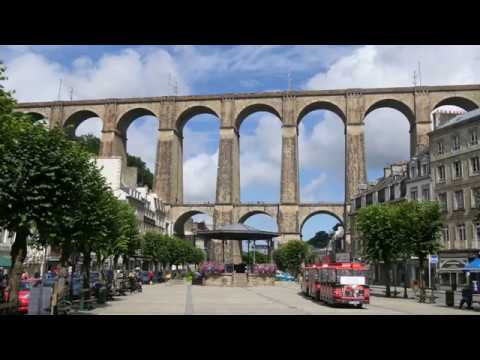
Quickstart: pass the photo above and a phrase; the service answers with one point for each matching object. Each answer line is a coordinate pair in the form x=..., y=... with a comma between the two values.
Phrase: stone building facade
x=455, y=163
x=392, y=187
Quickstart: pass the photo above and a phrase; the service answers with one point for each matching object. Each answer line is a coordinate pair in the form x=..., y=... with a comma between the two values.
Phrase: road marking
x=188, y=301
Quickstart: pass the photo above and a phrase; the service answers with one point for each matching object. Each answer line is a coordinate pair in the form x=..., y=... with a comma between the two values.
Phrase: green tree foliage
x=320, y=240
x=164, y=249
x=379, y=228
x=420, y=226
x=91, y=143
x=290, y=256
x=392, y=232
x=51, y=188
x=260, y=258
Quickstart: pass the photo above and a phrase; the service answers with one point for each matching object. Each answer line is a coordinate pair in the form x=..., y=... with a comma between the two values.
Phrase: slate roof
x=460, y=118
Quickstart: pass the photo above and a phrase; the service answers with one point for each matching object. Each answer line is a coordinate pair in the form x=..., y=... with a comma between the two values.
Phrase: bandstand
x=236, y=273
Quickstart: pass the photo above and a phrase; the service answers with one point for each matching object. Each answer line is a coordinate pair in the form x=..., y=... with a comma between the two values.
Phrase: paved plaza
x=281, y=299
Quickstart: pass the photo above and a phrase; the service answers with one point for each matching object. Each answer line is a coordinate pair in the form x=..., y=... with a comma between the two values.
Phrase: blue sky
x=121, y=71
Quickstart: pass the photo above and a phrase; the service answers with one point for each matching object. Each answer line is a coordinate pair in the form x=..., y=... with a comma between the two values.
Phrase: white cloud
x=387, y=66
x=124, y=74
x=310, y=192
x=198, y=173
x=260, y=154
x=91, y=126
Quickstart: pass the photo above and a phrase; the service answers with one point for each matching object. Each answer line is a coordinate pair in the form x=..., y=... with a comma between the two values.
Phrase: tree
x=379, y=228
x=421, y=224
x=260, y=258
x=320, y=240
x=290, y=256
x=91, y=143
x=44, y=179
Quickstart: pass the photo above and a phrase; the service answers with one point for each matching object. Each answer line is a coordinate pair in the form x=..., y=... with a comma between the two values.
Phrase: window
x=426, y=193
x=445, y=235
x=456, y=143
x=461, y=235
x=358, y=202
x=442, y=199
x=475, y=163
x=413, y=194
x=473, y=137
x=369, y=199
x=412, y=172
x=424, y=169
x=441, y=148
x=381, y=196
x=459, y=203
x=392, y=192
x=477, y=231
x=441, y=173
x=475, y=192
x=457, y=166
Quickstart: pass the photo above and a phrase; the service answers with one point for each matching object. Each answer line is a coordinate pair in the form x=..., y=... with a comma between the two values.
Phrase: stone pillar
x=422, y=126
x=289, y=193
x=56, y=116
x=113, y=143
x=228, y=173
x=168, y=167
x=224, y=214
x=288, y=225
x=355, y=168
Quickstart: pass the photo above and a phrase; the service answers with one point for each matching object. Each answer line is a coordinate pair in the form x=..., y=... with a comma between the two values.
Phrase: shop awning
x=5, y=261
x=473, y=266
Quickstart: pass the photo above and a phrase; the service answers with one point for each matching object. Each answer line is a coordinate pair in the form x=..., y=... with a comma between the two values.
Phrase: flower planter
x=217, y=280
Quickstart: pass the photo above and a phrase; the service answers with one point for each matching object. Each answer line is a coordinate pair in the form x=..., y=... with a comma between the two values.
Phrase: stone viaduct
x=351, y=105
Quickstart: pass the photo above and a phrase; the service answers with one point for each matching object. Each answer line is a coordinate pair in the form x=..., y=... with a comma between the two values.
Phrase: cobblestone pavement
x=283, y=299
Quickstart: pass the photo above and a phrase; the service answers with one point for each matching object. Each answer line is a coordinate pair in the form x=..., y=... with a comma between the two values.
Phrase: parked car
x=144, y=277
x=283, y=276
x=23, y=296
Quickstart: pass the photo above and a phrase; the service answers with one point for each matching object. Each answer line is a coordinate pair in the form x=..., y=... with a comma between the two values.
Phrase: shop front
x=451, y=274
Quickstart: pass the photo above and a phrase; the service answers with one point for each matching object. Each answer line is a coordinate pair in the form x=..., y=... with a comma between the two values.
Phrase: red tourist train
x=337, y=283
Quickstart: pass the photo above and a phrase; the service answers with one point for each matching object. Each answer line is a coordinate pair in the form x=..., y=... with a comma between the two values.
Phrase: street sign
x=433, y=259
x=342, y=257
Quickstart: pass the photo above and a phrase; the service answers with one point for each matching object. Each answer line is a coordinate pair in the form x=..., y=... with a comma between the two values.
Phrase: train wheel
x=317, y=296
x=359, y=306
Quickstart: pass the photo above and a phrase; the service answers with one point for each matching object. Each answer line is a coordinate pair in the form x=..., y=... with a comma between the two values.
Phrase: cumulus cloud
x=200, y=173
x=127, y=73
x=387, y=66
x=309, y=192
x=260, y=154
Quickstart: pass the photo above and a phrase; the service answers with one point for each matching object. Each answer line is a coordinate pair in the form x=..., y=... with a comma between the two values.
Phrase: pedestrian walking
x=467, y=295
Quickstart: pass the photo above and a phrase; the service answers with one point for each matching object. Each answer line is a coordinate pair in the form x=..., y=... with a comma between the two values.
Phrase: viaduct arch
x=351, y=105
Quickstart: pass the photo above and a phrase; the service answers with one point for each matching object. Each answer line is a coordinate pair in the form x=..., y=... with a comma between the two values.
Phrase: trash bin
x=449, y=298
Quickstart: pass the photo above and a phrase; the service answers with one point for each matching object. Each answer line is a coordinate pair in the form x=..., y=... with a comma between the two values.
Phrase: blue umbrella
x=473, y=266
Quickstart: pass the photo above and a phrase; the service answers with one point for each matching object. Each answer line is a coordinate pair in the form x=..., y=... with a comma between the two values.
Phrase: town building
x=392, y=187
x=455, y=164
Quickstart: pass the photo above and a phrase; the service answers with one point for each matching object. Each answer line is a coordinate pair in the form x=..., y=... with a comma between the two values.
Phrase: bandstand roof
x=237, y=232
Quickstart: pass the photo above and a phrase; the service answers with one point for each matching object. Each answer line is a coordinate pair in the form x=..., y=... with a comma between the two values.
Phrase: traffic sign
x=433, y=259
